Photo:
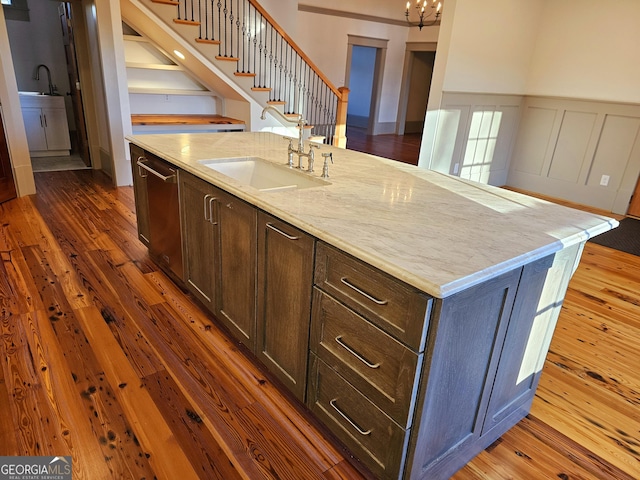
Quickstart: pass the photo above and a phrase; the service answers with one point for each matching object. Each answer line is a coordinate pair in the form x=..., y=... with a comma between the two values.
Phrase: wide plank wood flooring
x=106, y=360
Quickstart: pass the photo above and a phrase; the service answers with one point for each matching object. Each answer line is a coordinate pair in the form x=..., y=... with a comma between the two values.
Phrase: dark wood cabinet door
x=285, y=276
x=464, y=352
x=533, y=321
x=235, y=265
x=199, y=237
x=142, y=198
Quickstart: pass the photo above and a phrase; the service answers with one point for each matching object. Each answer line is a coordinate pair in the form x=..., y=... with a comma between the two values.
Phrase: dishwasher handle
x=165, y=178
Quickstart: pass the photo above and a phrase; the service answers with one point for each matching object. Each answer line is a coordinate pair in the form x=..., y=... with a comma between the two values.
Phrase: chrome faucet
x=52, y=87
x=299, y=150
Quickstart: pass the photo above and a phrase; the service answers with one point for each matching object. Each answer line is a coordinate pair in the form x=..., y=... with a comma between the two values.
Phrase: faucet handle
x=290, y=151
x=311, y=156
x=325, y=168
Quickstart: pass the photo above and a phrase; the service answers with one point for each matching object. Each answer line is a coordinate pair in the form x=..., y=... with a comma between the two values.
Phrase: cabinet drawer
x=394, y=306
x=372, y=436
x=378, y=365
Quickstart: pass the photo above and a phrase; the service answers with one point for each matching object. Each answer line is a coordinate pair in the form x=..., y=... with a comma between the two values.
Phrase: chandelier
x=425, y=11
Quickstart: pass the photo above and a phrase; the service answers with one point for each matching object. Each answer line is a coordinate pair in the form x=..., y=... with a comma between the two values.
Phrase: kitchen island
x=410, y=311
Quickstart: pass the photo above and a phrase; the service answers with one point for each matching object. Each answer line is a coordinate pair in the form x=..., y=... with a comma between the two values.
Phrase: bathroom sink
x=263, y=175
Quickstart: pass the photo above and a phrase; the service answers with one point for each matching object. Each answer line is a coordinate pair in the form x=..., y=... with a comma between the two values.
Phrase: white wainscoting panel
x=581, y=151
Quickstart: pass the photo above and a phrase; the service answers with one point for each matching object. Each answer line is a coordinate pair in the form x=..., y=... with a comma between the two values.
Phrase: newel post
x=340, y=137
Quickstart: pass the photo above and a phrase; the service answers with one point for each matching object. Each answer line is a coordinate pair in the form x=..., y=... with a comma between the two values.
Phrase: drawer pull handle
x=362, y=292
x=286, y=235
x=346, y=417
x=356, y=354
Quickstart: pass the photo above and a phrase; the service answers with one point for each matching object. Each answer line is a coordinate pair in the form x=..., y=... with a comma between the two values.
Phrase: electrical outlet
x=456, y=167
x=604, y=180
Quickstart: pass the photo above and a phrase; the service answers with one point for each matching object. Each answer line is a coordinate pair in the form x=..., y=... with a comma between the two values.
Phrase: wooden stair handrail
x=293, y=44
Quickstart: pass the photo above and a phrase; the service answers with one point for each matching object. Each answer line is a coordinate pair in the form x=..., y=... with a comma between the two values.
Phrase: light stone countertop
x=439, y=233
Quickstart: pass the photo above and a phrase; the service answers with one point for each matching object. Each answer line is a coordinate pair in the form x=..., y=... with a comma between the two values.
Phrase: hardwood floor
x=106, y=360
x=403, y=148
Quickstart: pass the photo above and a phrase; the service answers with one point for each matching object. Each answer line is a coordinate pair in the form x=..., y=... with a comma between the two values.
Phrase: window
x=5, y=2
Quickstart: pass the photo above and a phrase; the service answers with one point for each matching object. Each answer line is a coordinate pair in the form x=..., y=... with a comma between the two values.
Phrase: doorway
x=365, y=66
x=416, y=85
x=362, y=71
x=419, y=87
x=47, y=63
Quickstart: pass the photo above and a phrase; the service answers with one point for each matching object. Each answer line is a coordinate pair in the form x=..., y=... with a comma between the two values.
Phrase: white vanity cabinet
x=45, y=122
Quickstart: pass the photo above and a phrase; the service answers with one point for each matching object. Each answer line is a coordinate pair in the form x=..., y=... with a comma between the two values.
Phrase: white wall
x=35, y=42
x=559, y=52
x=284, y=12
x=587, y=49
x=326, y=43
x=491, y=45
x=379, y=8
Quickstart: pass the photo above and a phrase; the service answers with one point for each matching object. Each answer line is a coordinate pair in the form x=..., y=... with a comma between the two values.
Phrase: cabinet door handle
x=362, y=292
x=165, y=178
x=45, y=120
x=346, y=417
x=340, y=342
x=206, y=208
x=276, y=229
x=212, y=200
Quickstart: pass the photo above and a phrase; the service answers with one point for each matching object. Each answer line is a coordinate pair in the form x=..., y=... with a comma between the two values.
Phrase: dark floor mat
x=625, y=238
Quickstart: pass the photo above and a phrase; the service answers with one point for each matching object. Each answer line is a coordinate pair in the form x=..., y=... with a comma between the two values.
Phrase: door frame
x=634, y=204
x=8, y=189
x=67, y=13
x=409, y=57
x=376, y=91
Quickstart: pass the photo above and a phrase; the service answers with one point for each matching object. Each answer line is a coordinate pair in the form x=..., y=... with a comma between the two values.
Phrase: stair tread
x=186, y=22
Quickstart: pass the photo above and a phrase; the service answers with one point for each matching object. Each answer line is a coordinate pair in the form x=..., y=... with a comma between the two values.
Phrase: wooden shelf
x=163, y=91
x=182, y=119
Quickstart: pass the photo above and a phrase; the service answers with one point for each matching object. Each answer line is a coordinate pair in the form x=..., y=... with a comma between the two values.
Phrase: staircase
x=250, y=53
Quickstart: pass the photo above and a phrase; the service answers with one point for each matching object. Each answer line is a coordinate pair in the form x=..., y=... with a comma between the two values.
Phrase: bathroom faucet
x=299, y=150
x=52, y=87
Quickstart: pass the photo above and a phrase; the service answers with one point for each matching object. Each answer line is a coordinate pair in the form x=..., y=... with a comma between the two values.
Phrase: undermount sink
x=263, y=175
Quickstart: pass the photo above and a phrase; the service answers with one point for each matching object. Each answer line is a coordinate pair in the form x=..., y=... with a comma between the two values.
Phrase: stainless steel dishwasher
x=165, y=242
